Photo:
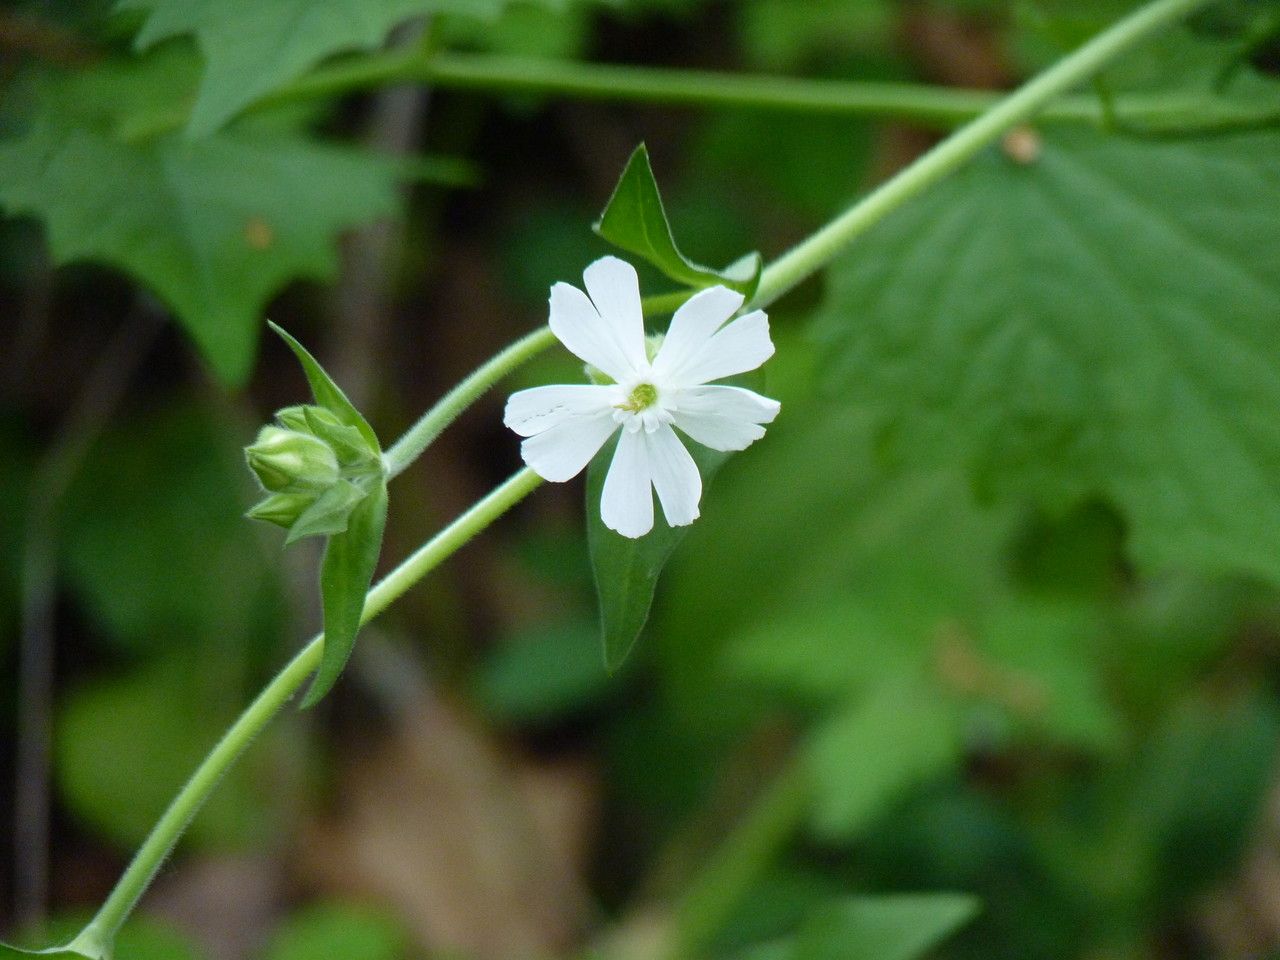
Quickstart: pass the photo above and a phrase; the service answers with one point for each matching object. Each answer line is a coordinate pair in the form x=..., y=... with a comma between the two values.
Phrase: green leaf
x=215, y=227
x=141, y=938
x=252, y=47
x=349, y=562
x=626, y=570
x=156, y=507
x=901, y=735
x=900, y=927
x=124, y=745
x=1100, y=321
x=14, y=953
x=327, y=393
x=545, y=673
x=634, y=220
x=346, y=930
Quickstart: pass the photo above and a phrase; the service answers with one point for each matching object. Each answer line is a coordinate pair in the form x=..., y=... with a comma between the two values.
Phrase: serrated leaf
x=350, y=558
x=215, y=227
x=1101, y=321
x=635, y=220
x=327, y=393
x=626, y=570
x=253, y=47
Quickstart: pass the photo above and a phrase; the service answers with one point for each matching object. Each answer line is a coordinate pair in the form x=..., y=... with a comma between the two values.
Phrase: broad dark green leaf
x=253, y=47
x=626, y=570
x=215, y=227
x=13, y=953
x=327, y=393
x=634, y=220
x=349, y=562
x=1098, y=322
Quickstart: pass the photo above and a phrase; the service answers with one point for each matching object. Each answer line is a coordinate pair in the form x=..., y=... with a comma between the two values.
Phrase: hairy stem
x=95, y=939
x=943, y=107
x=432, y=423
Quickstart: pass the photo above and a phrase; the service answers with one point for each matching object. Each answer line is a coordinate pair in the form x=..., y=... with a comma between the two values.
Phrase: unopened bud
x=290, y=461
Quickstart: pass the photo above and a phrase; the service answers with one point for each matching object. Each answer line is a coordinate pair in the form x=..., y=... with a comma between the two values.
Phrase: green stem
x=936, y=106
x=97, y=937
x=818, y=250
x=416, y=439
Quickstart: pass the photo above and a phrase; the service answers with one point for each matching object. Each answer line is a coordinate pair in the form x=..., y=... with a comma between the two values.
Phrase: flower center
x=644, y=395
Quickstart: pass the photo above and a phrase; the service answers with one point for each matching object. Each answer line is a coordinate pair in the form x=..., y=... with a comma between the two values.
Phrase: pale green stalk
x=96, y=938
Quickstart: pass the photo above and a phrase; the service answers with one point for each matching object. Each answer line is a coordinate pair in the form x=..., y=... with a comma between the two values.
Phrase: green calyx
x=315, y=470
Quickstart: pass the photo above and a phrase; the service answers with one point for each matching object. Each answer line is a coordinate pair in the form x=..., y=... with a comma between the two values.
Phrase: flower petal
x=693, y=324
x=576, y=323
x=675, y=476
x=614, y=288
x=540, y=408
x=723, y=417
x=626, y=502
x=560, y=452
x=738, y=347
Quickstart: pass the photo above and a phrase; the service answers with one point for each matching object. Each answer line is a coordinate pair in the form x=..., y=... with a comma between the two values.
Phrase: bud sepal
x=324, y=475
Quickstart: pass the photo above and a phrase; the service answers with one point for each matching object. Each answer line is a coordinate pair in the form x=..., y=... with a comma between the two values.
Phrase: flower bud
x=289, y=461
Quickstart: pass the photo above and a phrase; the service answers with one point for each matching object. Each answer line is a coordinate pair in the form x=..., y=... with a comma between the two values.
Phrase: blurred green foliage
x=998, y=587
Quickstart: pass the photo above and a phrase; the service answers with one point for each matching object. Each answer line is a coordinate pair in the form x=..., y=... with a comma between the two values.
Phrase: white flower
x=567, y=425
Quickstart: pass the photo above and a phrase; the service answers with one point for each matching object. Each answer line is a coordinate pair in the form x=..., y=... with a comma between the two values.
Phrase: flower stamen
x=644, y=396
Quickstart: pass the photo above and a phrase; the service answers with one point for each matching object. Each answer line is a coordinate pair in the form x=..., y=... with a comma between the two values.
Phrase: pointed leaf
x=330, y=514
x=635, y=220
x=626, y=570
x=899, y=927
x=327, y=393
x=349, y=562
x=346, y=441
